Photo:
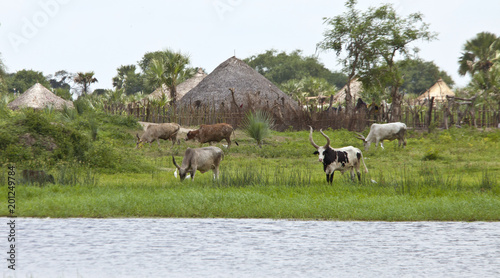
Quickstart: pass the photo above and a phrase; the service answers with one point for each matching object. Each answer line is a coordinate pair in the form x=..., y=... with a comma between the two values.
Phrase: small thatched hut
x=252, y=91
x=439, y=91
x=356, y=89
x=182, y=88
x=39, y=97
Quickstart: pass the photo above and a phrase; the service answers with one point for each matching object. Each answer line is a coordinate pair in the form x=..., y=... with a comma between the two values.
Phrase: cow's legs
x=329, y=178
x=216, y=173
x=382, y=145
x=228, y=140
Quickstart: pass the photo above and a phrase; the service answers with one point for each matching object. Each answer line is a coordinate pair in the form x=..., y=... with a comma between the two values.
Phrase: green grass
x=448, y=175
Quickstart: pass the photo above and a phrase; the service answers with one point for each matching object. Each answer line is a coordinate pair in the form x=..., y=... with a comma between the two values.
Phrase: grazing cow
x=342, y=159
x=164, y=131
x=380, y=132
x=212, y=133
x=201, y=159
x=32, y=176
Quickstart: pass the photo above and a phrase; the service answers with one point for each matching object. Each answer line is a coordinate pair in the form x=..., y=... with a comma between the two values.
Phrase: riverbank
x=444, y=176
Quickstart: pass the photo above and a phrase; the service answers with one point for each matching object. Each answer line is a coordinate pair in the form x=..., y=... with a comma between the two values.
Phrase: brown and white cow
x=212, y=133
x=200, y=159
x=165, y=131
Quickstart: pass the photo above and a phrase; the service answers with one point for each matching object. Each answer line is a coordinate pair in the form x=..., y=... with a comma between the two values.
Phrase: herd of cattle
x=208, y=158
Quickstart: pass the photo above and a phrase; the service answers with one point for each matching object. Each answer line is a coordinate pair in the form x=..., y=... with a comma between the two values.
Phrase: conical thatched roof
x=251, y=91
x=39, y=97
x=356, y=89
x=439, y=91
x=182, y=88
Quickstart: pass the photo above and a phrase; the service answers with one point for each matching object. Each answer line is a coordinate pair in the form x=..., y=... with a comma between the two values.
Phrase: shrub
x=258, y=125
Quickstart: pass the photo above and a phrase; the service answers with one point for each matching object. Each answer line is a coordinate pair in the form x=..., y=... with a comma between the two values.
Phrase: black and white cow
x=342, y=159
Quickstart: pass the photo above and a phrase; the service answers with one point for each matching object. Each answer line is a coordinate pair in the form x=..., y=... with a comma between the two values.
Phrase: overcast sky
x=100, y=36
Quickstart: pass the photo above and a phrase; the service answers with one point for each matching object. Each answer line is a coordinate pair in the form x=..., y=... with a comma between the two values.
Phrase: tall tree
x=351, y=35
x=395, y=37
x=85, y=80
x=478, y=53
x=128, y=80
x=170, y=71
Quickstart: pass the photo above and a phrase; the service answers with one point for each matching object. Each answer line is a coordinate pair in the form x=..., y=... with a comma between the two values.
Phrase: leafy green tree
x=169, y=71
x=397, y=34
x=280, y=67
x=372, y=41
x=24, y=79
x=85, y=80
x=478, y=53
x=128, y=80
x=419, y=76
x=60, y=83
x=350, y=36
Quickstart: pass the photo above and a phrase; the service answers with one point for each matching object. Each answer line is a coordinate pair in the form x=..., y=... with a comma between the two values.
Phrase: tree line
x=375, y=46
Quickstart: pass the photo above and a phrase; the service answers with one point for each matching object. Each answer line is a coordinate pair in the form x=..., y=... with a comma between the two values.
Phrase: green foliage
x=128, y=80
x=479, y=53
x=258, y=125
x=24, y=79
x=281, y=67
x=281, y=181
x=167, y=68
x=419, y=75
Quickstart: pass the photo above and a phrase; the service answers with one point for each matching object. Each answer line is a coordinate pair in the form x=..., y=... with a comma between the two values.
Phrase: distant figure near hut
x=39, y=97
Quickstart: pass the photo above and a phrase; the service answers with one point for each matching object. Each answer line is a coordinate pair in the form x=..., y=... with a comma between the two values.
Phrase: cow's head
x=191, y=135
x=320, y=150
x=139, y=142
x=366, y=144
x=182, y=172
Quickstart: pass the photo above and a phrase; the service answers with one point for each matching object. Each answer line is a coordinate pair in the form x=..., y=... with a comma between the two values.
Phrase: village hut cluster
x=237, y=88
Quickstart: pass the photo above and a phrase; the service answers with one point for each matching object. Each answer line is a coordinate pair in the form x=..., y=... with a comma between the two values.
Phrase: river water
x=251, y=248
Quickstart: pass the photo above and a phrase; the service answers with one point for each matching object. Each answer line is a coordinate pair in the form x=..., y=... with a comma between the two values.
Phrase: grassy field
x=448, y=175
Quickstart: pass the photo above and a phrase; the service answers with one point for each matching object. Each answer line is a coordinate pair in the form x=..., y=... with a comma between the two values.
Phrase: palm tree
x=479, y=53
x=85, y=79
x=169, y=71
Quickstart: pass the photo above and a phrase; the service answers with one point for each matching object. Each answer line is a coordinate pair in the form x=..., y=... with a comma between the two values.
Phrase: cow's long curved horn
x=327, y=139
x=311, y=139
x=173, y=159
x=360, y=136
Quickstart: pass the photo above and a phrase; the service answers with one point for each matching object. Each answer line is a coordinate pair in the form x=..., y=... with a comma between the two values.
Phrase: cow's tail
x=360, y=154
x=235, y=140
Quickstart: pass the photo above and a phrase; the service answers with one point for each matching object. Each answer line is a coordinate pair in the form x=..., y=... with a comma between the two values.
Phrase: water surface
x=253, y=248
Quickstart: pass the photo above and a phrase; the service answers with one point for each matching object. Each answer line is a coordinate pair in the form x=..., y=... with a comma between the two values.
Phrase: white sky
x=100, y=35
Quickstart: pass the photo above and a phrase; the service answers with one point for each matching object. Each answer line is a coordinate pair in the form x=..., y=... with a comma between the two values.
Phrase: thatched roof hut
x=251, y=91
x=439, y=91
x=39, y=97
x=182, y=88
x=356, y=89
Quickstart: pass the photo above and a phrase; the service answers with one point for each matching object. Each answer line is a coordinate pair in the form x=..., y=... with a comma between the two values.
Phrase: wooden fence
x=317, y=118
